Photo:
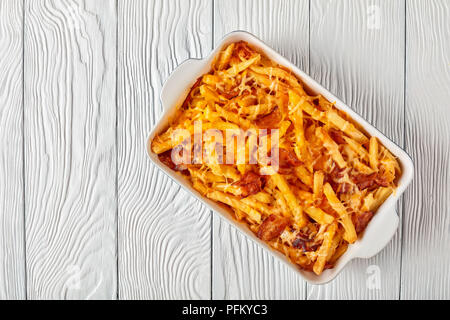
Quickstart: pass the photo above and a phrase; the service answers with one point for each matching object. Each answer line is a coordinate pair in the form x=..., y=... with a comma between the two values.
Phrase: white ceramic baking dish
x=385, y=222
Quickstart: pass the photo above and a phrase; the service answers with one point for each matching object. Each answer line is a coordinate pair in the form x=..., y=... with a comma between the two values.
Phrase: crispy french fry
x=361, y=167
x=324, y=249
x=304, y=175
x=335, y=244
x=211, y=79
x=253, y=111
x=346, y=126
x=350, y=233
x=278, y=73
x=263, y=197
x=228, y=188
x=235, y=203
x=358, y=148
x=319, y=215
x=257, y=205
x=295, y=101
x=374, y=199
x=206, y=176
x=209, y=94
x=237, y=68
x=234, y=117
x=281, y=203
x=373, y=153
x=272, y=84
x=331, y=146
x=306, y=196
x=340, y=250
x=318, y=184
x=199, y=186
x=225, y=57
x=291, y=199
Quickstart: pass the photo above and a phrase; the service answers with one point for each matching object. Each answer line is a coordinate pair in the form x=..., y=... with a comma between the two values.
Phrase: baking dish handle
x=379, y=234
x=179, y=82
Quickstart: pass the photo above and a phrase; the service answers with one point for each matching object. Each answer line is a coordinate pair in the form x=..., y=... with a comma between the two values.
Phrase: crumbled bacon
x=337, y=136
x=381, y=180
x=285, y=171
x=361, y=220
x=371, y=181
x=328, y=266
x=243, y=50
x=166, y=158
x=287, y=159
x=251, y=183
x=365, y=181
x=228, y=94
x=333, y=179
x=337, y=173
x=320, y=163
x=272, y=227
x=305, y=244
x=345, y=188
x=270, y=121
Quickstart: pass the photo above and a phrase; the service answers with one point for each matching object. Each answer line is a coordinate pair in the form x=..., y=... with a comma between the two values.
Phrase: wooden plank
x=357, y=52
x=242, y=270
x=70, y=154
x=426, y=242
x=12, y=254
x=164, y=234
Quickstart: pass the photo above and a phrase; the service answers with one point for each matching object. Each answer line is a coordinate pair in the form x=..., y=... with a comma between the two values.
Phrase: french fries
x=324, y=250
x=305, y=203
x=318, y=184
x=335, y=203
x=319, y=215
x=291, y=199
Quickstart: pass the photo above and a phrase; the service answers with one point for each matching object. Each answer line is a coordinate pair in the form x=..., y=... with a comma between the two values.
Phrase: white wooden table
x=83, y=212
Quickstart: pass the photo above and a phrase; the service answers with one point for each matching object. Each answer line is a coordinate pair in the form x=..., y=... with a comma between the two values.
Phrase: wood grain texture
x=357, y=52
x=426, y=241
x=241, y=269
x=12, y=256
x=164, y=233
x=70, y=155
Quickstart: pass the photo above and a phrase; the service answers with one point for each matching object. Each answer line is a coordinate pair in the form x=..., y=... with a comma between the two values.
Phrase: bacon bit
x=270, y=121
x=320, y=163
x=285, y=171
x=334, y=177
x=288, y=159
x=328, y=178
x=243, y=50
x=361, y=220
x=189, y=98
x=328, y=266
x=166, y=158
x=370, y=181
x=381, y=180
x=272, y=227
x=345, y=188
x=365, y=181
x=337, y=172
x=228, y=94
x=337, y=136
x=305, y=244
x=307, y=123
x=251, y=183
